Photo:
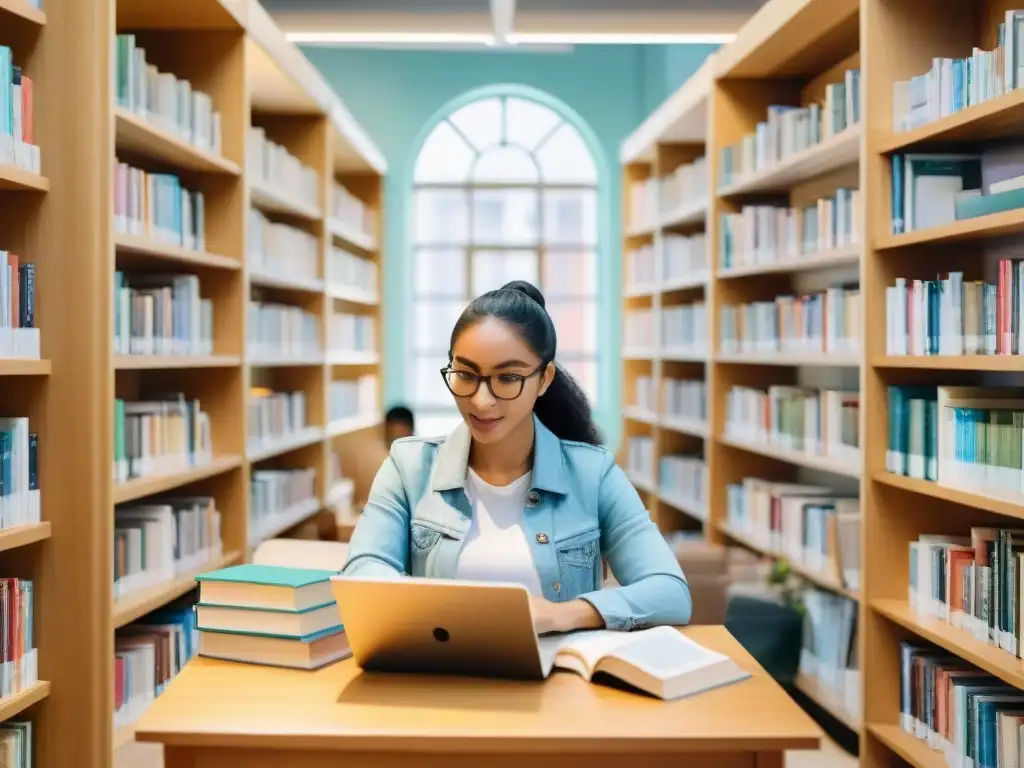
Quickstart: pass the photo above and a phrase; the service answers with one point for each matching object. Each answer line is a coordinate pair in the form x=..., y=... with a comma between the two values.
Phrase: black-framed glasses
x=504, y=386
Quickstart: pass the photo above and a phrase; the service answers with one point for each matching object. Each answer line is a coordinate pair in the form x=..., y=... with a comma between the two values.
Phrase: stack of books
x=273, y=615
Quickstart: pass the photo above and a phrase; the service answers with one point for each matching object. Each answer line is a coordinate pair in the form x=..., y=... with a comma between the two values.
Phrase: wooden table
x=226, y=715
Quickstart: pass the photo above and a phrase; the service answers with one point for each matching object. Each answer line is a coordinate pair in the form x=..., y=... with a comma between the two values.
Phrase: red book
x=27, y=123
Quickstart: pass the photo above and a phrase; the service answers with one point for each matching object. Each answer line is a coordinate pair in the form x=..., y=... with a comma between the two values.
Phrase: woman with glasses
x=521, y=491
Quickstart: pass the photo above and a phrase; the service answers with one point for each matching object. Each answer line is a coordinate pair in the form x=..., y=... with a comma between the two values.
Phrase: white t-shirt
x=495, y=548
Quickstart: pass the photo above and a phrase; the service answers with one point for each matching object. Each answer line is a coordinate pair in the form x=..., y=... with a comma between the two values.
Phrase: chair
x=302, y=553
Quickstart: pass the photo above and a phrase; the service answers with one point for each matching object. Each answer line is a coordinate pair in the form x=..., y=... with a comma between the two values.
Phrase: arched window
x=505, y=189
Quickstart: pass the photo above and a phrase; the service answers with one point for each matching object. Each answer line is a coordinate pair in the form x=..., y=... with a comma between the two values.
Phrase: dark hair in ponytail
x=564, y=408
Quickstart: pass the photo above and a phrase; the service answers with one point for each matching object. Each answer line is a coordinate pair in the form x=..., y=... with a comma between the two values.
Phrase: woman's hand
x=551, y=617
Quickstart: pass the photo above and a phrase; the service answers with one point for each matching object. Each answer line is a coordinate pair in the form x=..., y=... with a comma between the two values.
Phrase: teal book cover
x=268, y=575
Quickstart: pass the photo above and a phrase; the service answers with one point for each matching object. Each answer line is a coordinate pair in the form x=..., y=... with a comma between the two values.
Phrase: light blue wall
x=394, y=94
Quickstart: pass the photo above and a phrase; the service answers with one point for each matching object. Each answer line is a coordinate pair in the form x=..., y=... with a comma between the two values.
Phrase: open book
x=660, y=661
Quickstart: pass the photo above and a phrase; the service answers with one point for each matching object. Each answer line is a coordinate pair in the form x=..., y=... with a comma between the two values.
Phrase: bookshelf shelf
x=16, y=366
x=285, y=362
x=1008, y=506
x=830, y=155
x=339, y=427
x=797, y=458
x=825, y=699
x=353, y=358
x=916, y=753
x=348, y=235
x=155, y=250
x=123, y=736
x=992, y=363
x=12, y=178
x=993, y=119
x=820, y=579
x=641, y=415
x=136, y=135
x=686, y=215
x=138, y=604
x=286, y=283
x=684, y=426
x=170, y=362
x=303, y=439
x=22, y=10
x=683, y=505
x=826, y=359
x=352, y=295
x=683, y=284
x=268, y=200
x=995, y=661
x=966, y=230
x=12, y=706
x=24, y=535
x=841, y=257
x=149, y=486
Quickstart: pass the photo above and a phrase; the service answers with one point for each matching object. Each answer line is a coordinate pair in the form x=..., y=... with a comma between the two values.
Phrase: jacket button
x=542, y=538
x=532, y=499
x=557, y=586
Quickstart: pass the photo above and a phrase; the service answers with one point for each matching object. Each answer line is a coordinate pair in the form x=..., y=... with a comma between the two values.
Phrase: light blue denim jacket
x=581, y=506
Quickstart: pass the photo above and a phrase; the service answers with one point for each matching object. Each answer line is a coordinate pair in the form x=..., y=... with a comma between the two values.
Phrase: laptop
x=442, y=626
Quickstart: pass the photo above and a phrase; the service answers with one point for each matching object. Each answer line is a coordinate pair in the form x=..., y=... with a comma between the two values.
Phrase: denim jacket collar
x=453, y=459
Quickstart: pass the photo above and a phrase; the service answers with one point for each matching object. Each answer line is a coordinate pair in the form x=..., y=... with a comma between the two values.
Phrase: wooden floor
x=829, y=756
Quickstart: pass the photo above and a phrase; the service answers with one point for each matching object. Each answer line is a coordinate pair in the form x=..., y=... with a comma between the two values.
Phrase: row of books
x=353, y=397
x=970, y=717
x=645, y=394
x=278, y=497
x=160, y=98
x=812, y=526
x=947, y=316
x=353, y=333
x=148, y=654
x=687, y=185
x=347, y=269
x=640, y=458
x=273, y=166
x=17, y=116
x=641, y=268
x=684, y=327
x=966, y=437
x=684, y=398
x=684, y=477
x=829, y=655
x=18, y=335
x=353, y=212
x=638, y=328
x=154, y=437
x=972, y=582
x=643, y=204
x=19, y=663
x=829, y=322
x=161, y=314
x=280, y=250
x=282, y=330
x=816, y=422
x=157, y=206
x=766, y=234
x=20, y=502
x=953, y=84
x=684, y=257
x=274, y=416
x=788, y=130
x=160, y=539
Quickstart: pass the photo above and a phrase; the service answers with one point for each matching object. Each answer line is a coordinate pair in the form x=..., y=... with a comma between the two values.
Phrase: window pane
x=527, y=122
x=505, y=165
x=434, y=323
x=505, y=216
x=441, y=216
x=480, y=122
x=569, y=273
x=427, y=388
x=440, y=272
x=570, y=217
x=585, y=373
x=564, y=158
x=492, y=269
x=445, y=156
x=576, y=324
x=437, y=423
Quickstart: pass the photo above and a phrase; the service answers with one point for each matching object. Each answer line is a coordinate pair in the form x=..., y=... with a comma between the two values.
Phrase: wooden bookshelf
x=787, y=53
x=62, y=220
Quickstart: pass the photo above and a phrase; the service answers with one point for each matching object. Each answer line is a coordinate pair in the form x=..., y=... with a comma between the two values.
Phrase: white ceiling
x=480, y=23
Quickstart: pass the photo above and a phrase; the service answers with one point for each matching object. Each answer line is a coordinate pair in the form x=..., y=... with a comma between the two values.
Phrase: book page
x=589, y=646
x=664, y=653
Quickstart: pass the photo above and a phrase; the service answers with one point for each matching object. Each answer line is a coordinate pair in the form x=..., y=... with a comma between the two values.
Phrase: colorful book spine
x=281, y=330
x=684, y=399
x=279, y=250
x=161, y=315
x=157, y=206
x=274, y=167
x=280, y=499
x=684, y=328
x=274, y=416
x=683, y=478
x=20, y=502
x=19, y=338
x=828, y=654
x=153, y=437
x=19, y=664
x=169, y=103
